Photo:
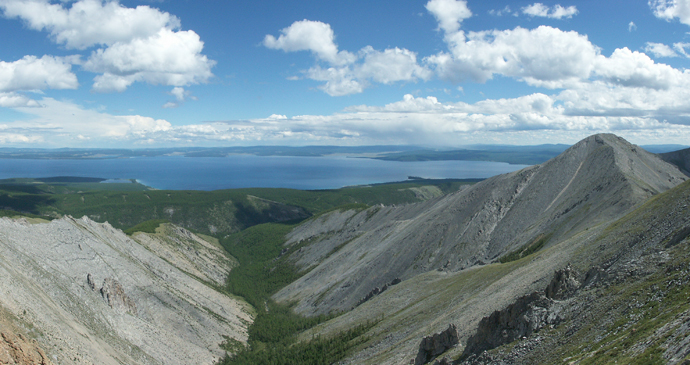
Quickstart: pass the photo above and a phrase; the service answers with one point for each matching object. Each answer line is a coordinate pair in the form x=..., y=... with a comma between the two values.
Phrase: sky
x=434, y=73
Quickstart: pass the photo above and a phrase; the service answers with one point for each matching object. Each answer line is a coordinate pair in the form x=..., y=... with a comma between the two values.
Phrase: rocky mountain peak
x=503, y=218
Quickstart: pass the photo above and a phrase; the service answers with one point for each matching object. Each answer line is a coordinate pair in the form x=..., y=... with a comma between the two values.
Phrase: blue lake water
x=241, y=171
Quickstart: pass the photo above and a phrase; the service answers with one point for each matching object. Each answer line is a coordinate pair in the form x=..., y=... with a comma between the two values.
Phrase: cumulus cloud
x=308, y=35
x=89, y=22
x=631, y=26
x=346, y=73
x=139, y=44
x=557, y=12
x=551, y=58
x=14, y=100
x=32, y=73
x=545, y=56
x=167, y=58
x=449, y=13
x=671, y=9
x=660, y=50
x=635, y=69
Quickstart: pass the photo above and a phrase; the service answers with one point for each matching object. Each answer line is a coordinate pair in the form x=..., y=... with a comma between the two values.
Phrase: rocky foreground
x=89, y=294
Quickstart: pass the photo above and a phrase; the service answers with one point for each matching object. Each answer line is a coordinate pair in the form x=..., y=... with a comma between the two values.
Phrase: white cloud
x=64, y=123
x=671, y=9
x=504, y=11
x=557, y=12
x=14, y=100
x=631, y=26
x=89, y=22
x=635, y=69
x=660, y=50
x=389, y=66
x=141, y=44
x=178, y=93
x=308, y=35
x=449, y=13
x=680, y=47
x=32, y=73
x=339, y=81
x=347, y=73
x=649, y=115
x=545, y=56
x=166, y=58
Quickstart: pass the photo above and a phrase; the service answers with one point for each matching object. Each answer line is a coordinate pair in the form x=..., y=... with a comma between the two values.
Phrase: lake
x=242, y=171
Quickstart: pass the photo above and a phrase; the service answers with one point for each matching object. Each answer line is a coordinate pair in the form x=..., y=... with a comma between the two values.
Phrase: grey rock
x=114, y=295
x=596, y=181
x=149, y=309
x=563, y=285
x=527, y=315
x=436, y=344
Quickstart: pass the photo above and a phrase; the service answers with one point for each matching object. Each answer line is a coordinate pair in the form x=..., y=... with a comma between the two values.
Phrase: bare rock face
x=679, y=158
x=21, y=351
x=563, y=284
x=114, y=295
x=527, y=315
x=96, y=296
x=437, y=344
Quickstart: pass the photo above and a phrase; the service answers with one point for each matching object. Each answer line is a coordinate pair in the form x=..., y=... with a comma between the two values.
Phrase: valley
x=580, y=259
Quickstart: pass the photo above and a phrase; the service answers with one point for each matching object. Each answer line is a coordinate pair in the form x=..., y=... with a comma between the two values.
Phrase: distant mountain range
x=525, y=155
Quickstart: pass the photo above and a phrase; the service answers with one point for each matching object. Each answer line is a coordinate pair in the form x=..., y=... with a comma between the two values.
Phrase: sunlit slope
x=347, y=257
x=88, y=293
x=631, y=307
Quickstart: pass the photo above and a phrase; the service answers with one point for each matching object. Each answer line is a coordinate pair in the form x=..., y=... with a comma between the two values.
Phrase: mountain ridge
x=596, y=180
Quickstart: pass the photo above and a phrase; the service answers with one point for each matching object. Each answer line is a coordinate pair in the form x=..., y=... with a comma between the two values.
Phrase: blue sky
x=138, y=74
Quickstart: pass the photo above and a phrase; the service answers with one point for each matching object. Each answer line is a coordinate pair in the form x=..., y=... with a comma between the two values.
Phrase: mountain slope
x=679, y=158
x=90, y=294
x=349, y=255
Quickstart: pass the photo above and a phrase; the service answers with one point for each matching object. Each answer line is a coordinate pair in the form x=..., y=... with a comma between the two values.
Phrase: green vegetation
x=146, y=227
x=318, y=351
x=125, y=205
x=259, y=274
x=265, y=269
x=13, y=214
x=526, y=249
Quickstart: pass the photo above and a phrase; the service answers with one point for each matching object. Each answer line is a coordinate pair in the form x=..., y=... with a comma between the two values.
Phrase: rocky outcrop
x=114, y=294
x=563, y=285
x=20, y=351
x=377, y=290
x=436, y=344
x=527, y=315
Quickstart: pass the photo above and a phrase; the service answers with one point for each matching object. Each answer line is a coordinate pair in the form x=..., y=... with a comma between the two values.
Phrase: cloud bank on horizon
x=565, y=86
